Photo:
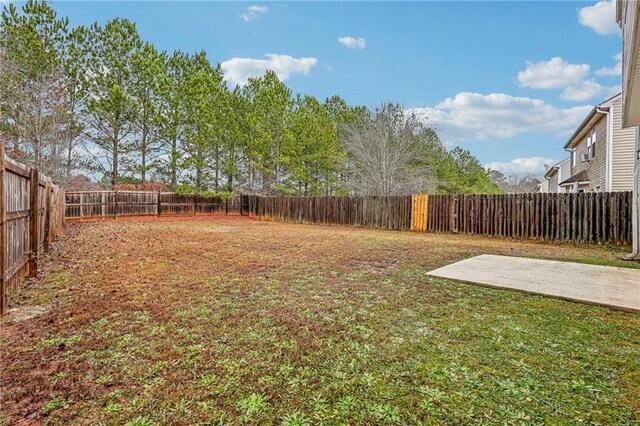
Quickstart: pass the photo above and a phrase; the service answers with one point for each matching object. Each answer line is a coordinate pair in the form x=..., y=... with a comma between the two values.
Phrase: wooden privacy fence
x=583, y=218
x=32, y=215
x=589, y=217
x=111, y=204
x=381, y=212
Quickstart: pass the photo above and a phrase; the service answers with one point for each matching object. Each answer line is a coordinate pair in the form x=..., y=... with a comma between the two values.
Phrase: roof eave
x=577, y=135
x=604, y=105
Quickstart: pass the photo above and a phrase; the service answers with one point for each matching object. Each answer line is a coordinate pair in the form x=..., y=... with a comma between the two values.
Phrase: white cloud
x=612, y=71
x=588, y=89
x=535, y=166
x=238, y=70
x=476, y=116
x=556, y=73
x=601, y=17
x=552, y=74
x=353, y=42
x=253, y=12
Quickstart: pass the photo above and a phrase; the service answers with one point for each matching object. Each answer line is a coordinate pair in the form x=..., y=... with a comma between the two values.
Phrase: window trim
x=592, y=138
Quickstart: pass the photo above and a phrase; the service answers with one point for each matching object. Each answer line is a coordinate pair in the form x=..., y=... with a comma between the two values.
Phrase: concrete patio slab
x=602, y=285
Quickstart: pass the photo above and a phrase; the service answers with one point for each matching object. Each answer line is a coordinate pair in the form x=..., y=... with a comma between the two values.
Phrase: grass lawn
x=233, y=321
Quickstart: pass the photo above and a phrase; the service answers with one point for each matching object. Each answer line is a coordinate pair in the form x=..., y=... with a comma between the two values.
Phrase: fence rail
x=111, y=204
x=32, y=215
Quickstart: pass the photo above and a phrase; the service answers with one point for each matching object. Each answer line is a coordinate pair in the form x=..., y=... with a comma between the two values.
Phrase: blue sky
x=507, y=80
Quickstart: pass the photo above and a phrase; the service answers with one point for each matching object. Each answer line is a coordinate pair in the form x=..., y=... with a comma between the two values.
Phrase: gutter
x=570, y=151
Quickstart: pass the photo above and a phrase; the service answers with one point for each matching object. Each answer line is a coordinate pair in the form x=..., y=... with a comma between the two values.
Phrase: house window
x=573, y=158
x=591, y=144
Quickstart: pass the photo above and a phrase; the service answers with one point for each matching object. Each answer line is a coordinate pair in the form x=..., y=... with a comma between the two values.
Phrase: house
x=601, y=151
x=557, y=173
x=543, y=187
x=628, y=17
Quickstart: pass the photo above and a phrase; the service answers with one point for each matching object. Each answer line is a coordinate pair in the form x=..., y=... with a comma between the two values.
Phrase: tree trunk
x=174, y=162
x=114, y=163
x=230, y=182
x=217, y=166
x=114, y=172
x=143, y=159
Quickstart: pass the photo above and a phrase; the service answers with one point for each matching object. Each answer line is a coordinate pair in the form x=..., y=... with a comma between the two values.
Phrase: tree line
x=99, y=101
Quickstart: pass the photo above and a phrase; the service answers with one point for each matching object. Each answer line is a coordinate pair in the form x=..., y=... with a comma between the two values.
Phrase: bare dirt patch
x=24, y=313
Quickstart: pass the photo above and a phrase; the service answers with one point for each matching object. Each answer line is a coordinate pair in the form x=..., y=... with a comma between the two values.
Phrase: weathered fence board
x=381, y=212
x=111, y=204
x=589, y=217
x=32, y=215
x=581, y=218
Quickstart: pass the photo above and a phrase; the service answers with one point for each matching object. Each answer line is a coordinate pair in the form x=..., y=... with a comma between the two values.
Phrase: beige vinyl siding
x=597, y=167
x=623, y=152
x=553, y=183
x=565, y=170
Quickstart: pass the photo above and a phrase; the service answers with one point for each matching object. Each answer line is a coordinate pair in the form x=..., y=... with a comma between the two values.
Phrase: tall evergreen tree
x=170, y=120
x=201, y=144
x=74, y=56
x=315, y=154
x=269, y=107
x=147, y=67
x=110, y=112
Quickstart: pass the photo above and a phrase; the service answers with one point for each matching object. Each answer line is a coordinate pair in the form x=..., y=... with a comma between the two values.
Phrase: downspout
x=635, y=254
x=570, y=151
x=609, y=142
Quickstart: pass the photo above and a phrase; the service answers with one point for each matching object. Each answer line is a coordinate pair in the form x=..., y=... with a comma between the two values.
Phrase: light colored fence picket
x=113, y=204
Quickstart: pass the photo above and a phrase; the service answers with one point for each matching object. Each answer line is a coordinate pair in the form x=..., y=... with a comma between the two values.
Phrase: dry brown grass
x=228, y=320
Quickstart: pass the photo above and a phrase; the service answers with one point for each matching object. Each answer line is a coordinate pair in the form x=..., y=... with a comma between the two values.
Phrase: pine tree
x=110, y=114
x=147, y=67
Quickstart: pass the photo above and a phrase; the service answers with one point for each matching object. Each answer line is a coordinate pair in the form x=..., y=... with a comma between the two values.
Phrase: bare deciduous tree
x=33, y=97
x=388, y=153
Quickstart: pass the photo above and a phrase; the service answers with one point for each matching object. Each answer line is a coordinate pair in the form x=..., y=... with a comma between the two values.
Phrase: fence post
x=47, y=215
x=426, y=213
x=3, y=217
x=453, y=214
x=115, y=203
x=195, y=204
x=33, y=228
x=158, y=207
